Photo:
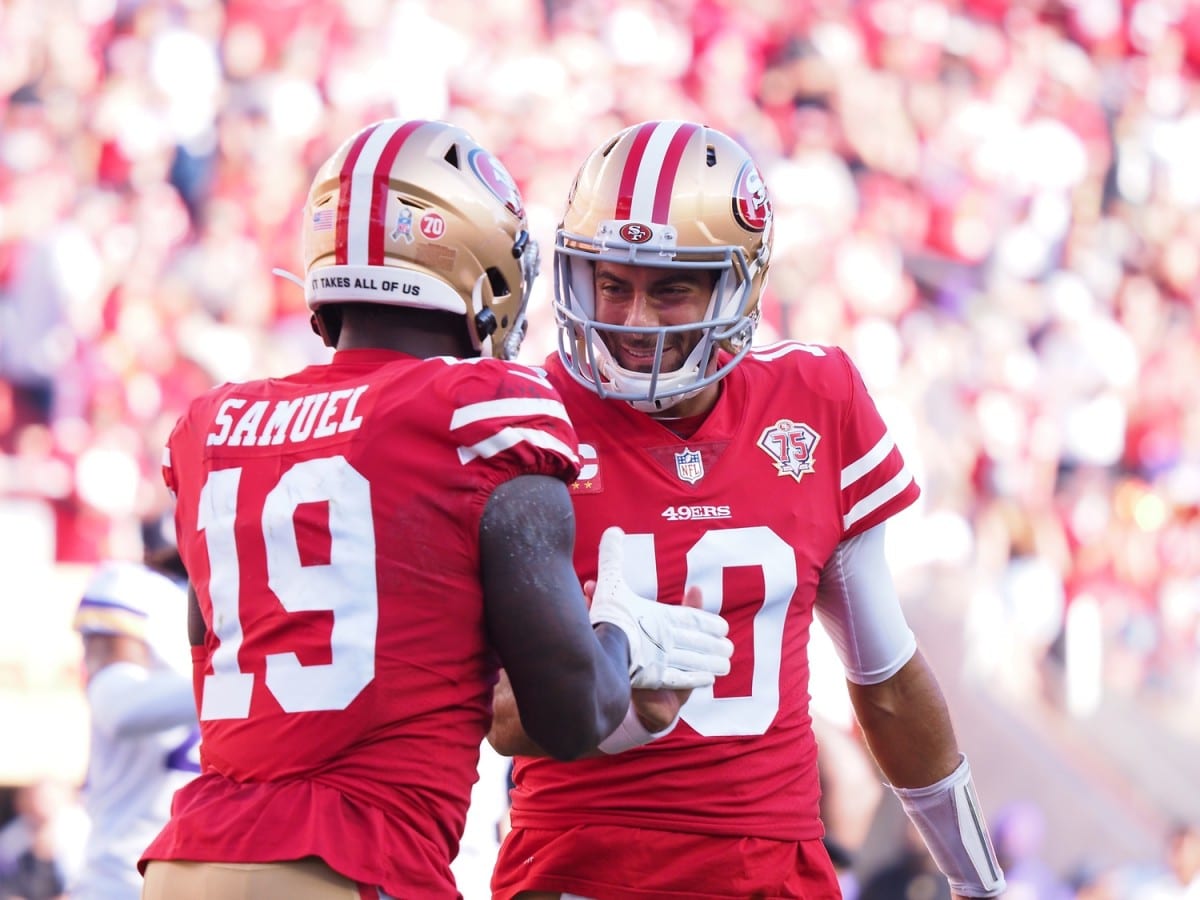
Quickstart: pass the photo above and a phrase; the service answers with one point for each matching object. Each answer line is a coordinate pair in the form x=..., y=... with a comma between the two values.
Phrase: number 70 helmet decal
x=664, y=194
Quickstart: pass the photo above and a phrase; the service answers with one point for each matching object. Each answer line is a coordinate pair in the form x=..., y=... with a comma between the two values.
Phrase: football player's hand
x=676, y=647
x=659, y=708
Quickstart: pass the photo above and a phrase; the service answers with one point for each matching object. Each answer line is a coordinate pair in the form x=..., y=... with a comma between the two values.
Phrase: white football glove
x=674, y=647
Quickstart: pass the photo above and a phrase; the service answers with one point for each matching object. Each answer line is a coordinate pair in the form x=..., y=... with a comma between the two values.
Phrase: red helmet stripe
x=343, y=211
x=380, y=196
x=670, y=167
x=633, y=163
x=363, y=192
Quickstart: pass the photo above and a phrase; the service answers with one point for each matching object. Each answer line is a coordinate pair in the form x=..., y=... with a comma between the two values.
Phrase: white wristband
x=948, y=817
x=632, y=733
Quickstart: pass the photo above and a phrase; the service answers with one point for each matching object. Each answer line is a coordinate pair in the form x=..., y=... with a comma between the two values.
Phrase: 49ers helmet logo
x=751, y=205
x=635, y=232
x=496, y=179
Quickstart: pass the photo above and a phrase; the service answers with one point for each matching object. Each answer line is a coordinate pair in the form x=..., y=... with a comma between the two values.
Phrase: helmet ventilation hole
x=497, y=282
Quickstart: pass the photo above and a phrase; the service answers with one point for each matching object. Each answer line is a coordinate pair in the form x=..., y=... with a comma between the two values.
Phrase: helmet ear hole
x=497, y=282
x=452, y=156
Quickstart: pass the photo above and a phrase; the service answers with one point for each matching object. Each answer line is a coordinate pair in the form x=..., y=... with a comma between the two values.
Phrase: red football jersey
x=329, y=522
x=793, y=459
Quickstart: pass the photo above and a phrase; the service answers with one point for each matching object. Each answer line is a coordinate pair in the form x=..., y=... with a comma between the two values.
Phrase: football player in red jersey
x=763, y=476
x=368, y=540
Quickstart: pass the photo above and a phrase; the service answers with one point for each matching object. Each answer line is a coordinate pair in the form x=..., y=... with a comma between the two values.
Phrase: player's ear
x=326, y=326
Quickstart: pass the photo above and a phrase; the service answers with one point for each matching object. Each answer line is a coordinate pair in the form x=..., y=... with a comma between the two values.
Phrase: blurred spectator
x=1180, y=879
x=34, y=877
x=1092, y=881
x=910, y=874
x=1018, y=833
x=1019, y=606
x=41, y=261
x=40, y=848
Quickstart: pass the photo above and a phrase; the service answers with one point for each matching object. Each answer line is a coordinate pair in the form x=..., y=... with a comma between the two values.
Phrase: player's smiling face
x=651, y=297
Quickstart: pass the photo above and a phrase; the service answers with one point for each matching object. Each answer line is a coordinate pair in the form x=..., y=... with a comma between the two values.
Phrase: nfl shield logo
x=689, y=466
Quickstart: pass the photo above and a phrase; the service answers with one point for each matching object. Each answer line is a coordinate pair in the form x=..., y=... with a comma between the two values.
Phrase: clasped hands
x=672, y=649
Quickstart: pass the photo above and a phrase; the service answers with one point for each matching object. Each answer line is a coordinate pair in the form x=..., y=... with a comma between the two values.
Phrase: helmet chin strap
x=284, y=273
x=624, y=379
x=481, y=323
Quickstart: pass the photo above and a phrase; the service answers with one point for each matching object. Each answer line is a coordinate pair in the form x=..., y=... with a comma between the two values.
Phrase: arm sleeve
x=127, y=700
x=857, y=604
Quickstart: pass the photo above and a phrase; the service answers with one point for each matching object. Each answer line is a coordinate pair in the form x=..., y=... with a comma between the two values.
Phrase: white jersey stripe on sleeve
x=512, y=406
x=877, y=497
x=537, y=376
x=867, y=461
x=509, y=437
x=780, y=349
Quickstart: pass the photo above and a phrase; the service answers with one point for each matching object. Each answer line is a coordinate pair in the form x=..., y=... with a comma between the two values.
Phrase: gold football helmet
x=417, y=213
x=663, y=194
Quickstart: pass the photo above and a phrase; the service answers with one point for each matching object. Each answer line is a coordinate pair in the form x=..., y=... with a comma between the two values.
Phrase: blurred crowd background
x=993, y=206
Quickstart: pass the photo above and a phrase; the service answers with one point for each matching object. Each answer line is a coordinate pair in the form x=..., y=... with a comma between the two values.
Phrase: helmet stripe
x=362, y=204
x=650, y=170
x=633, y=164
x=380, y=196
x=343, y=212
x=670, y=167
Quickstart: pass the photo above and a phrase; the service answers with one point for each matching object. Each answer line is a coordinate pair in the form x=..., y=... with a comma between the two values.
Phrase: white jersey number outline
x=344, y=586
x=707, y=559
